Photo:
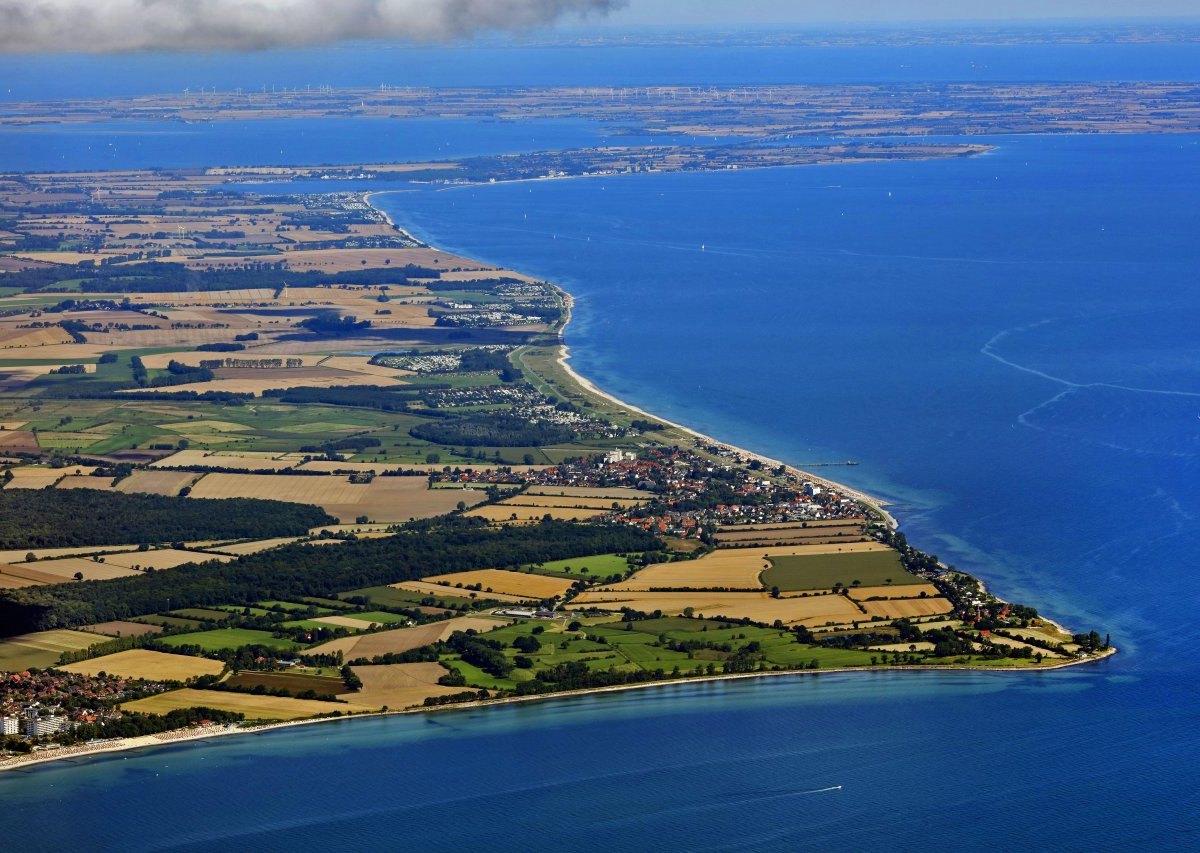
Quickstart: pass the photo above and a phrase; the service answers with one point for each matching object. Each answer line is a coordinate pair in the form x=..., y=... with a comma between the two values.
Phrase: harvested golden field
x=908, y=607
x=17, y=555
x=405, y=639
x=100, y=484
x=280, y=487
x=8, y=581
x=400, y=685
x=148, y=665
x=598, y=504
x=441, y=591
x=504, y=513
x=254, y=707
x=1017, y=644
x=67, y=353
x=346, y=622
x=253, y=547
x=167, y=483
x=732, y=568
x=121, y=628
x=814, y=611
x=510, y=583
x=385, y=499
x=330, y=467
x=164, y=558
x=405, y=498
x=26, y=338
x=63, y=570
x=614, y=493
x=351, y=528
x=37, y=477
x=908, y=590
x=246, y=461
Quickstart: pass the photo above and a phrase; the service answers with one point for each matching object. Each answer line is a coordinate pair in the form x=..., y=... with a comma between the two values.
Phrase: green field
x=202, y=614
x=823, y=571
x=42, y=649
x=385, y=596
x=331, y=603
x=601, y=565
x=265, y=607
x=314, y=625
x=293, y=681
x=169, y=621
x=377, y=616
x=229, y=638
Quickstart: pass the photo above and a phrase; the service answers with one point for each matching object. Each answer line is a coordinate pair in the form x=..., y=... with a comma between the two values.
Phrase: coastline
x=877, y=505
x=874, y=503
x=177, y=737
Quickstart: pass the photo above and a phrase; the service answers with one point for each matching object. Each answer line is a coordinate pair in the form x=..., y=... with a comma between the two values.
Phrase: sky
x=697, y=12
x=130, y=26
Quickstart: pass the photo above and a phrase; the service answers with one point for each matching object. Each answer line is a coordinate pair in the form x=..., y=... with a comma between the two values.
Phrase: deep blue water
x=1006, y=343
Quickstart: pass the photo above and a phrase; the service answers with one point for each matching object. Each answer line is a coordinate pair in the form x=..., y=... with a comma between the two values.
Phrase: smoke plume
x=116, y=26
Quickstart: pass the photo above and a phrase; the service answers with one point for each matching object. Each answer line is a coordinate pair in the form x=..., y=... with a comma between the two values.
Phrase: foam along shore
x=180, y=736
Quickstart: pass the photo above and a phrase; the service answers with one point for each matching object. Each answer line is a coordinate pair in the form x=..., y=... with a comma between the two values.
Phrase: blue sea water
x=1008, y=346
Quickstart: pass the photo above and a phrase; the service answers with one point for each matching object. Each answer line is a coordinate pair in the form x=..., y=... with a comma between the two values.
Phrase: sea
x=1008, y=347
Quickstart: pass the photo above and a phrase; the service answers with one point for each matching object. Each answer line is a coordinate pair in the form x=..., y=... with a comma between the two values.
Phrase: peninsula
x=267, y=457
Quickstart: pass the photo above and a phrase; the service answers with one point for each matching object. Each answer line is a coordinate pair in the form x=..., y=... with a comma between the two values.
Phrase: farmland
x=401, y=685
x=294, y=682
x=228, y=638
x=878, y=567
x=253, y=706
x=598, y=566
x=507, y=583
x=814, y=611
x=509, y=513
x=404, y=639
x=148, y=665
x=383, y=499
x=41, y=649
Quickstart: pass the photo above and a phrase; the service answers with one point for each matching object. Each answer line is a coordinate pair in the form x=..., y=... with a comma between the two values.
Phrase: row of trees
x=423, y=548
x=61, y=518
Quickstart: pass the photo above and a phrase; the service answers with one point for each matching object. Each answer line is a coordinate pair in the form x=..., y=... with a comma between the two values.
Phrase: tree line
x=63, y=518
x=447, y=545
